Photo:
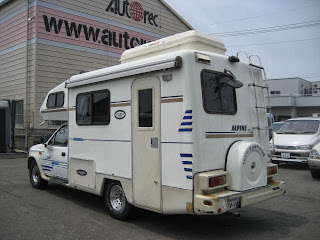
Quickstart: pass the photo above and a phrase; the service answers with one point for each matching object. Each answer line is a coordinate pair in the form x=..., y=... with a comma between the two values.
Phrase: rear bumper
x=297, y=159
x=222, y=200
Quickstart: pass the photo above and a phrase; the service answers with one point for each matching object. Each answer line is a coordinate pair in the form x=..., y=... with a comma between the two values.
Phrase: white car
x=276, y=126
x=314, y=161
x=295, y=139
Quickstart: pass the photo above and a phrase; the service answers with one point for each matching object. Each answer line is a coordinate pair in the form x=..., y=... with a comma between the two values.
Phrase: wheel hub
x=35, y=174
x=117, y=198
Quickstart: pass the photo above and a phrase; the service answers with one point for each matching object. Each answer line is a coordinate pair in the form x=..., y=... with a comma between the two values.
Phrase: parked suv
x=314, y=161
x=295, y=139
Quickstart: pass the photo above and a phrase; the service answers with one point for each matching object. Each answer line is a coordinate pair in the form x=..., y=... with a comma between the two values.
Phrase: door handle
x=63, y=154
x=154, y=143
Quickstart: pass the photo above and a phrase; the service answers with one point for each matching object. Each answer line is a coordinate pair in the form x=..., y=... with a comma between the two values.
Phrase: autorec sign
x=132, y=10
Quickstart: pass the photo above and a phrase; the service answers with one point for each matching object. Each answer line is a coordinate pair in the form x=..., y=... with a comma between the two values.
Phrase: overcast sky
x=289, y=31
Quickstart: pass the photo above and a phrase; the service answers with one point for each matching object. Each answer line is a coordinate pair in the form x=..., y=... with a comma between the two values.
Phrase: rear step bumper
x=222, y=202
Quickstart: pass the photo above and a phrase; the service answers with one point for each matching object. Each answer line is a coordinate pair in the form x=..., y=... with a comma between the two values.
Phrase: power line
x=246, y=18
x=311, y=76
x=268, y=43
x=268, y=29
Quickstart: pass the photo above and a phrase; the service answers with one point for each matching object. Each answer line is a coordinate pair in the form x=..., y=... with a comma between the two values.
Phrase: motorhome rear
x=176, y=128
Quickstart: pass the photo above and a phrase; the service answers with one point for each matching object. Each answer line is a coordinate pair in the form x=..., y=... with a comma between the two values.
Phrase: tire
x=116, y=201
x=315, y=173
x=35, y=177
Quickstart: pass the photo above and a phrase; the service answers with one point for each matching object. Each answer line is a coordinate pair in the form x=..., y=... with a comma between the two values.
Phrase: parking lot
x=61, y=213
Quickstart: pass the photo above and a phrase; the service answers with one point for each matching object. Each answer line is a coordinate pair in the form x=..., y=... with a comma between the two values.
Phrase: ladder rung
x=255, y=85
x=263, y=107
x=256, y=66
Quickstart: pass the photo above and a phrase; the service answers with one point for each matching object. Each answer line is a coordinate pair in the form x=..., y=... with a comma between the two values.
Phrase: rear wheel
x=116, y=201
x=35, y=177
x=315, y=173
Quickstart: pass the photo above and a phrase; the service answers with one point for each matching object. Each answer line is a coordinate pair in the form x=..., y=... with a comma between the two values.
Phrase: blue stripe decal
x=45, y=169
x=187, y=162
x=172, y=97
x=189, y=111
x=185, y=129
x=46, y=166
x=185, y=155
x=78, y=139
x=219, y=132
x=55, y=163
x=99, y=140
x=189, y=177
x=106, y=140
x=186, y=123
x=188, y=169
x=128, y=101
x=187, y=117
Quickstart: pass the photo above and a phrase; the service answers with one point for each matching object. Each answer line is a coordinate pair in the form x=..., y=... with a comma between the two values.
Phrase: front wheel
x=35, y=177
x=116, y=201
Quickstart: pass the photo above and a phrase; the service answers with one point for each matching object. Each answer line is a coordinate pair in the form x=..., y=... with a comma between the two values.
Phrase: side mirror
x=233, y=82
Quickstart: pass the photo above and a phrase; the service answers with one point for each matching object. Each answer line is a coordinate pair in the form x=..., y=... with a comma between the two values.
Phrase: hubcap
x=35, y=174
x=117, y=198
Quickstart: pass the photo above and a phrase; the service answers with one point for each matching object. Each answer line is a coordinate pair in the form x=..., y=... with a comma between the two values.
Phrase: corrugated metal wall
x=67, y=37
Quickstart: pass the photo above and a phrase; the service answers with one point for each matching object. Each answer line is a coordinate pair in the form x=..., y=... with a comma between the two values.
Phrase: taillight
x=272, y=170
x=207, y=202
x=217, y=181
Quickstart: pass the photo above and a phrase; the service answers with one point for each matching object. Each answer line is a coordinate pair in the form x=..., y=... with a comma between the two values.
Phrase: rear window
x=299, y=127
x=217, y=96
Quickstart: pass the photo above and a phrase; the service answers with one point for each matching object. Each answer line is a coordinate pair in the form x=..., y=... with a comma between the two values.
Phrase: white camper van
x=176, y=128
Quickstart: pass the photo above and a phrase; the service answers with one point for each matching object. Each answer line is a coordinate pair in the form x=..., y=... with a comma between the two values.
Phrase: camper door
x=146, y=142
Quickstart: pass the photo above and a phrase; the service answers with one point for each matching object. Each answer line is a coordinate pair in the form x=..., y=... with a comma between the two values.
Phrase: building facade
x=293, y=97
x=316, y=88
x=45, y=42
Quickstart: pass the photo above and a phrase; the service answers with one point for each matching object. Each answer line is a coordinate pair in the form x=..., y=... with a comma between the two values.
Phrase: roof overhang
x=122, y=70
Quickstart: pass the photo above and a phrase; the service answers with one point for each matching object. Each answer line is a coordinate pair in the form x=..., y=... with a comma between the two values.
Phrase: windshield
x=276, y=126
x=299, y=127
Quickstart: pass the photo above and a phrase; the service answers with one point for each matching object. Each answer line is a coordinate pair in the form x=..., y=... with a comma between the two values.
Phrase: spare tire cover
x=247, y=165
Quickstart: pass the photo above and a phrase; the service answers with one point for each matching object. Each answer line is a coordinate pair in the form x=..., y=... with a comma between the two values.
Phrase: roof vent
x=202, y=58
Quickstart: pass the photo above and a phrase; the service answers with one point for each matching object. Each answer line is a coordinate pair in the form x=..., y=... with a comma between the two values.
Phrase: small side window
x=145, y=108
x=51, y=101
x=93, y=108
x=55, y=100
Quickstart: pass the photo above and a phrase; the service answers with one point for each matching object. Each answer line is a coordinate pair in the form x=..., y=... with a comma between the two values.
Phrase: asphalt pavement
x=61, y=213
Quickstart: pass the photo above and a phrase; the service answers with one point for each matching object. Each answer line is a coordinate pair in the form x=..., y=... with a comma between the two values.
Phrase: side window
x=84, y=109
x=19, y=113
x=93, y=108
x=60, y=138
x=55, y=100
x=218, y=97
x=145, y=108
